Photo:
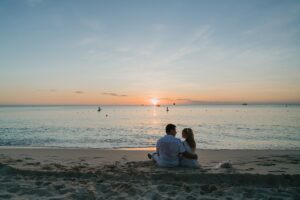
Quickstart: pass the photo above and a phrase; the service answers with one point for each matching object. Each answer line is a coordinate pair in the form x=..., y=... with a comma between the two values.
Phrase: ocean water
x=215, y=126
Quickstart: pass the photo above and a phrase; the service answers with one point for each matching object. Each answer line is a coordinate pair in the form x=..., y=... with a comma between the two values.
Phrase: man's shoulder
x=178, y=140
x=161, y=138
x=169, y=138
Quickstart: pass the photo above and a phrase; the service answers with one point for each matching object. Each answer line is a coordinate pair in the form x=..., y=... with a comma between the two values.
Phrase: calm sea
x=215, y=126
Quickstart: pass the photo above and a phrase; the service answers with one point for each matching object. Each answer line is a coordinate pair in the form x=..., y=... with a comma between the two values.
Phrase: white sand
x=47, y=173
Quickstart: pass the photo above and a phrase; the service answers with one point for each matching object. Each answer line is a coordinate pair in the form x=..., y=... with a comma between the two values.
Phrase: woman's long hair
x=189, y=137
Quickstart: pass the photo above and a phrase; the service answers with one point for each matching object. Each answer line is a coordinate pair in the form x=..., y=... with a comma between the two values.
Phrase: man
x=169, y=149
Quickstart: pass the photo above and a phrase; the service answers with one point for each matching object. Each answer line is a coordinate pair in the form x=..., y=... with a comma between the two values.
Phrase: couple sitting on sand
x=172, y=152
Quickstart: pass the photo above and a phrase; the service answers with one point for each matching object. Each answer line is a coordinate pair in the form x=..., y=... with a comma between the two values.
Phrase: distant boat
x=158, y=105
x=99, y=109
x=245, y=104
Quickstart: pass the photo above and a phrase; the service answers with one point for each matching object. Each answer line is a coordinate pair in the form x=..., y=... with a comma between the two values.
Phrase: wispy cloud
x=191, y=101
x=166, y=99
x=159, y=27
x=92, y=24
x=46, y=90
x=184, y=100
x=114, y=94
x=34, y=2
x=87, y=41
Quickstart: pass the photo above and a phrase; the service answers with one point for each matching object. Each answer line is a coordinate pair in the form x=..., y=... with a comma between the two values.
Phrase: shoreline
x=134, y=148
x=243, y=161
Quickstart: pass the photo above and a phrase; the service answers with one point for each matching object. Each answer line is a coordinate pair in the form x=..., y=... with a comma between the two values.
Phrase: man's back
x=168, y=148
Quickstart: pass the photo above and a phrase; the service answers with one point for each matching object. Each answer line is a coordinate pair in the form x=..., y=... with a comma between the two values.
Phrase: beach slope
x=58, y=173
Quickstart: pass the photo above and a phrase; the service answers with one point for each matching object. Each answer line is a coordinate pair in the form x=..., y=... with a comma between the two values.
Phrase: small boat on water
x=99, y=109
x=245, y=104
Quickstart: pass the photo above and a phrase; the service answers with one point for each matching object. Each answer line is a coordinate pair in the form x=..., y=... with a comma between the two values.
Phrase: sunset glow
x=154, y=101
x=122, y=53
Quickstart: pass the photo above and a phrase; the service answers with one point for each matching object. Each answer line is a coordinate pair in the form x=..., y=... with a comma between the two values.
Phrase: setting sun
x=154, y=101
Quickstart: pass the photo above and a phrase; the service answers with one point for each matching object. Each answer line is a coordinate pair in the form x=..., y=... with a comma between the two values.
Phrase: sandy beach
x=63, y=173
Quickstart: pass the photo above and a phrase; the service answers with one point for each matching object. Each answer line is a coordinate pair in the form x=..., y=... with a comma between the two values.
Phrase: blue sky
x=73, y=52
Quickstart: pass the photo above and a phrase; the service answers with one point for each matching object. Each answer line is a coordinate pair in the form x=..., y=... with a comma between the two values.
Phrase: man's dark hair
x=170, y=127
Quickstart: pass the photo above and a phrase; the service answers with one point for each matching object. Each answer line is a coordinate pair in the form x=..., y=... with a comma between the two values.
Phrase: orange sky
x=62, y=97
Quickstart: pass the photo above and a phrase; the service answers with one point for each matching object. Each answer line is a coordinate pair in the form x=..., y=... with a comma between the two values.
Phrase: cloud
x=157, y=55
x=195, y=101
x=87, y=41
x=79, y=92
x=114, y=94
x=34, y=2
x=197, y=42
x=166, y=99
x=123, y=49
x=184, y=100
x=159, y=27
x=93, y=24
x=47, y=90
x=191, y=101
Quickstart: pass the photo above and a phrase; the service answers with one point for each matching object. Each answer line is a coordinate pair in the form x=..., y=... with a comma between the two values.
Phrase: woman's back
x=185, y=162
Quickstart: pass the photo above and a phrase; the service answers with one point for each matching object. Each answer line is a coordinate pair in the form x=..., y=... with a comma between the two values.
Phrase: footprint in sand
x=162, y=188
x=58, y=166
x=58, y=186
x=47, y=167
x=266, y=164
x=208, y=189
x=33, y=163
x=14, y=189
x=98, y=157
x=262, y=157
x=277, y=171
x=284, y=168
x=124, y=158
x=5, y=196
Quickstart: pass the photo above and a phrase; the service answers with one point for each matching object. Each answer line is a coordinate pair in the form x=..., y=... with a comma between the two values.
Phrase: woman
x=190, y=146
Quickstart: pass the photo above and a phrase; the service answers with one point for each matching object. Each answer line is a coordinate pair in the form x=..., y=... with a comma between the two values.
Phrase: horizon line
x=179, y=104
